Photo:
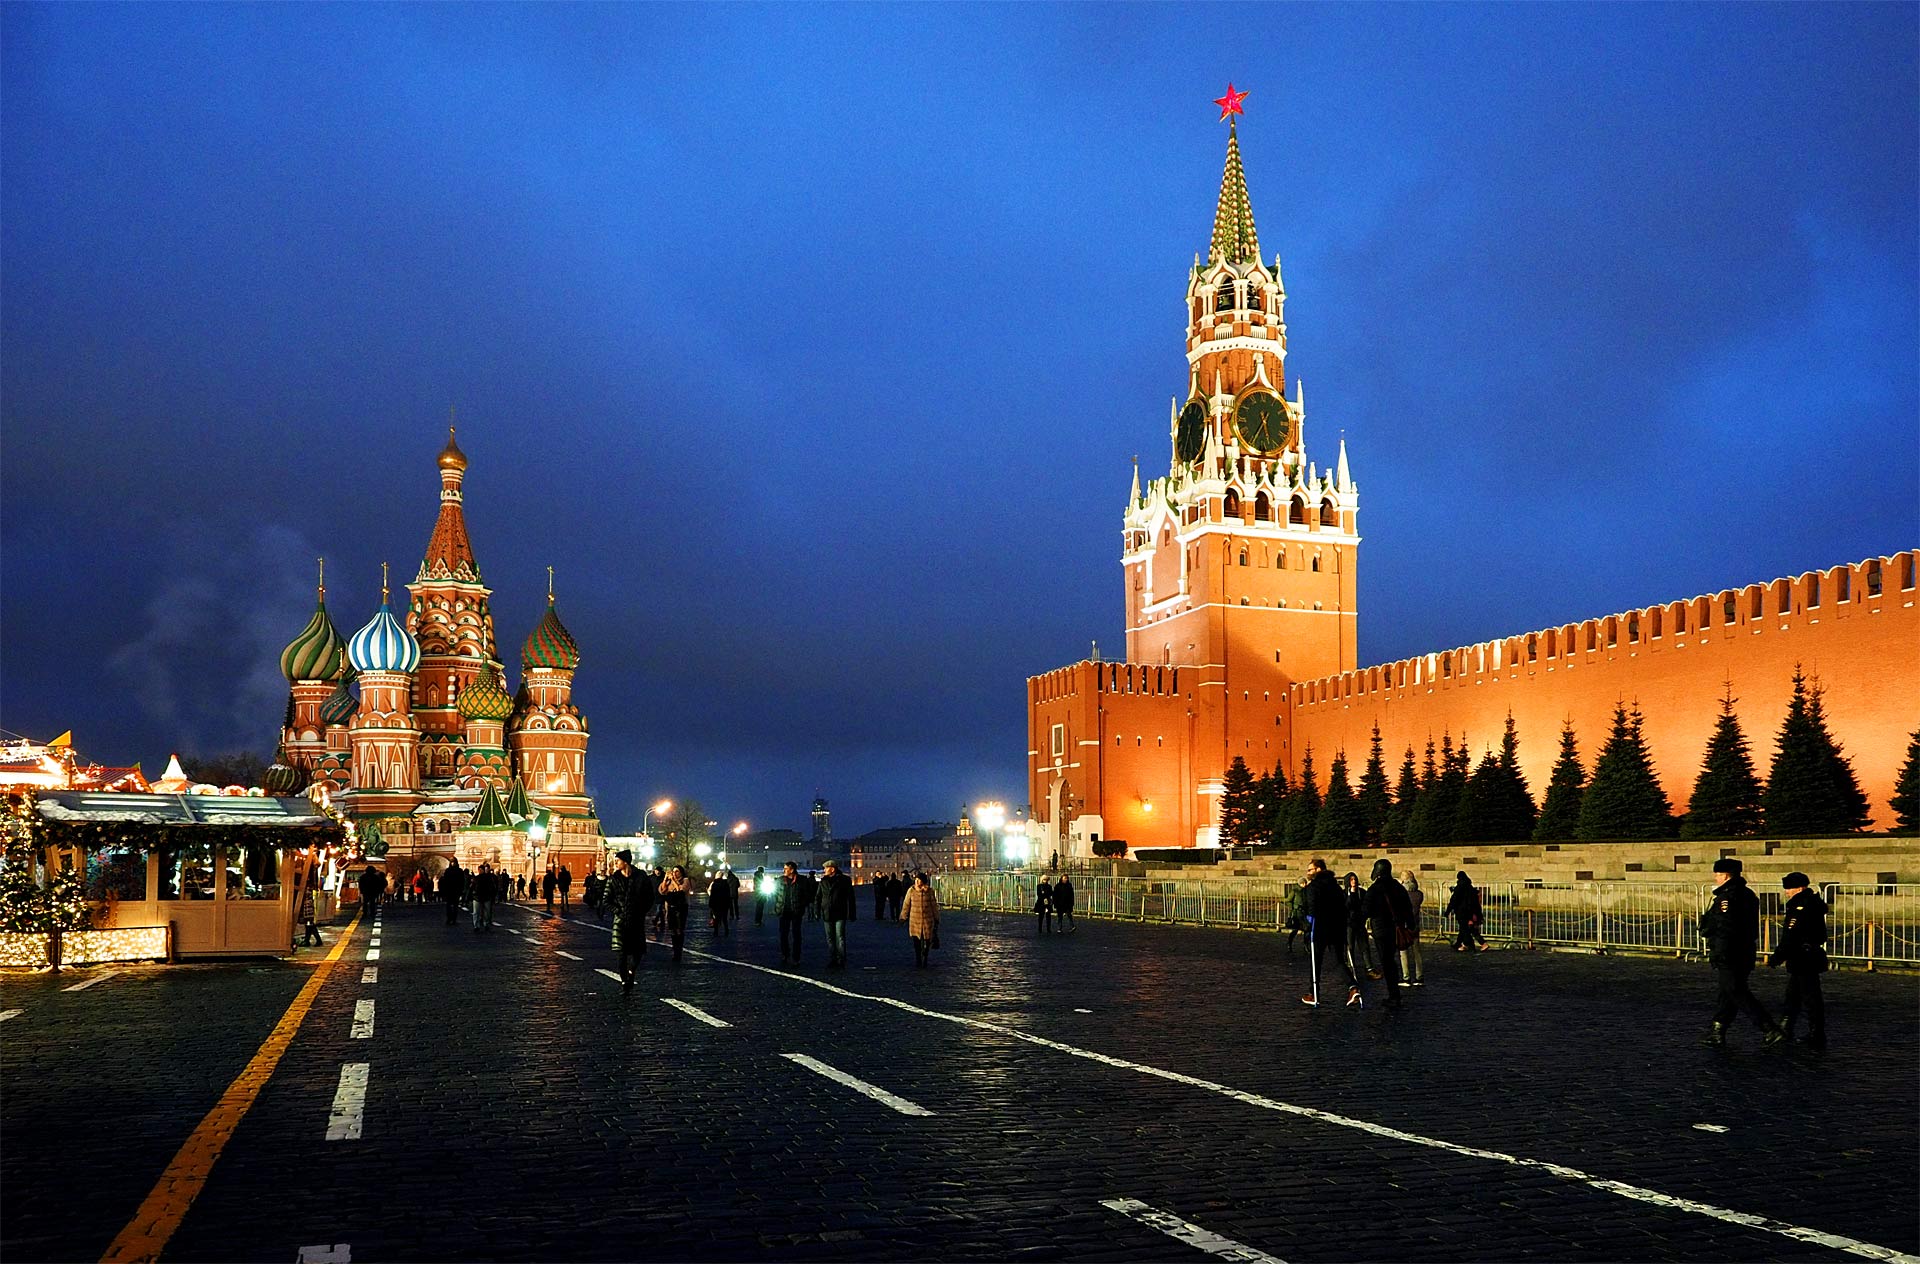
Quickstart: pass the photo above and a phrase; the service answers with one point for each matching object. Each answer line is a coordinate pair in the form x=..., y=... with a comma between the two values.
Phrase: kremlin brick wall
x=1855, y=628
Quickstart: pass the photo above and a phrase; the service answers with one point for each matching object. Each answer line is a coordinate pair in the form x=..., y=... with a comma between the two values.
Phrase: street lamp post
x=991, y=816
x=646, y=839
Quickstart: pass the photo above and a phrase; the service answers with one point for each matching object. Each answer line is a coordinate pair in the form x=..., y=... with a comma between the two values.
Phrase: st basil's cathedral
x=435, y=757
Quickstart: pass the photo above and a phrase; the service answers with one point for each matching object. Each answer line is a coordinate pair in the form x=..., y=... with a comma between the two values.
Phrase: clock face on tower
x=1191, y=440
x=1262, y=422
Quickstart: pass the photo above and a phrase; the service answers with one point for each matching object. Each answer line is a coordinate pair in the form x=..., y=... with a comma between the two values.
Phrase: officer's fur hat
x=1727, y=864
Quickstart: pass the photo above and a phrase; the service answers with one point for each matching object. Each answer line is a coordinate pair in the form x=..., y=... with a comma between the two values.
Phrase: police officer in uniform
x=1802, y=950
x=1731, y=927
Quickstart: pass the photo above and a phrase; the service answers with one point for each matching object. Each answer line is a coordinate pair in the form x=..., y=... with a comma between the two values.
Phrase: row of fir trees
x=1446, y=798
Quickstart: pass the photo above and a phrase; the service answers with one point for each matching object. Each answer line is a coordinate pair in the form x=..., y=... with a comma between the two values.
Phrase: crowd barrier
x=1867, y=925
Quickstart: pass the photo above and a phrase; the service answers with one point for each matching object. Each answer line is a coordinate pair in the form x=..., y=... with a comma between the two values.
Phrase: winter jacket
x=1388, y=908
x=630, y=896
x=1327, y=906
x=835, y=899
x=788, y=897
x=1063, y=896
x=1803, y=934
x=1043, y=897
x=922, y=911
x=1464, y=904
x=1731, y=925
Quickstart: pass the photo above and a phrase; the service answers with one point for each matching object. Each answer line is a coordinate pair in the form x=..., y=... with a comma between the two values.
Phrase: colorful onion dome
x=340, y=705
x=484, y=699
x=383, y=645
x=550, y=644
x=315, y=653
x=281, y=778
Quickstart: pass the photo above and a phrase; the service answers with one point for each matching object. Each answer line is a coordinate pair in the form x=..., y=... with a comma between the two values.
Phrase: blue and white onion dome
x=383, y=645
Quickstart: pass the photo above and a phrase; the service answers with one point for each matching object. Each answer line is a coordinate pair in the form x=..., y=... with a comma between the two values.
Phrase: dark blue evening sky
x=810, y=344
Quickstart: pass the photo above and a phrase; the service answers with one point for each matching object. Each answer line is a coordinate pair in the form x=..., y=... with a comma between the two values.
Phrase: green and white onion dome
x=383, y=645
x=484, y=699
x=340, y=704
x=315, y=653
x=281, y=778
x=550, y=644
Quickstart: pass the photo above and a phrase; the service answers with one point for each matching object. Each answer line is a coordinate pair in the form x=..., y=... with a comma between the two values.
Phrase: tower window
x=1297, y=512
x=1243, y=555
x=1329, y=516
x=1316, y=562
x=1233, y=504
x=1253, y=297
x=1262, y=508
x=1280, y=559
x=1223, y=297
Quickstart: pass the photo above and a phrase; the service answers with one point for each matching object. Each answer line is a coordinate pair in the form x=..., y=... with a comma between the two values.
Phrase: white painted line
x=1636, y=1193
x=338, y=1253
x=874, y=1091
x=5, y=1014
x=569, y=956
x=1191, y=1234
x=373, y=954
x=102, y=977
x=362, y=1020
x=1711, y=1127
x=510, y=930
x=611, y=975
x=370, y=975
x=1078, y=1010
x=693, y=1012
x=349, y=1103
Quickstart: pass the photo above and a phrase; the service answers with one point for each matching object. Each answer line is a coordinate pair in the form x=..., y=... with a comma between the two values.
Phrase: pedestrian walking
x=789, y=911
x=673, y=894
x=549, y=883
x=565, y=882
x=1411, y=962
x=453, y=885
x=1063, y=902
x=923, y=918
x=486, y=887
x=1327, y=931
x=1731, y=928
x=717, y=905
x=897, y=892
x=733, y=898
x=629, y=897
x=1359, y=947
x=1390, y=921
x=1296, y=916
x=761, y=889
x=1802, y=949
x=837, y=908
x=1043, y=905
x=591, y=889
x=312, y=937
x=418, y=885
x=1464, y=907
x=659, y=905
x=879, y=882
x=809, y=892
x=373, y=884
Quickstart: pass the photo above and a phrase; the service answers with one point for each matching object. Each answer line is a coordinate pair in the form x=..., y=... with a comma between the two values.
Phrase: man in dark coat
x=809, y=890
x=1389, y=908
x=1327, y=929
x=629, y=897
x=1731, y=927
x=1063, y=901
x=373, y=885
x=880, y=882
x=837, y=904
x=1802, y=949
x=564, y=880
x=789, y=909
x=453, y=884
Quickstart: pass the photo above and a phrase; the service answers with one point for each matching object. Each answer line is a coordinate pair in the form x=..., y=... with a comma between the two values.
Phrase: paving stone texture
x=521, y=1107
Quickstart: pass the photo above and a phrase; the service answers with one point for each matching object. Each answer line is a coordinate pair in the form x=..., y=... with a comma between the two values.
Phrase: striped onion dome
x=383, y=645
x=484, y=699
x=340, y=704
x=315, y=653
x=281, y=778
x=550, y=644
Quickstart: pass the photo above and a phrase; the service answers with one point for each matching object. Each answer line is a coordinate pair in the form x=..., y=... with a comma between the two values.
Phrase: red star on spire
x=1230, y=103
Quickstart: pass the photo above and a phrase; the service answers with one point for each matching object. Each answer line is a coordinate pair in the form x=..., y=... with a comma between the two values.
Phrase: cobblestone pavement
x=518, y=1105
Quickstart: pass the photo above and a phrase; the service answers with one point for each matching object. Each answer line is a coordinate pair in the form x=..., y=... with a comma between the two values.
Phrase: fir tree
x=1375, y=802
x=1906, y=791
x=1394, y=831
x=1303, y=807
x=1474, y=820
x=1566, y=786
x=1442, y=802
x=1236, y=804
x=1811, y=788
x=1340, y=824
x=1624, y=799
x=1279, y=797
x=1726, y=798
x=1514, y=812
x=1422, y=829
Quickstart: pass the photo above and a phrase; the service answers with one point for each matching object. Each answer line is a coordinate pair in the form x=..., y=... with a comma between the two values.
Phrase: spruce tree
x=1375, y=802
x=1514, y=811
x=1236, y=804
x=1474, y=819
x=1340, y=824
x=1566, y=786
x=1452, y=784
x=1303, y=807
x=1279, y=796
x=1421, y=826
x=1906, y=791
x=1624, y=799
x=1726, y=798
x=1811, y=788
x=1394, y=831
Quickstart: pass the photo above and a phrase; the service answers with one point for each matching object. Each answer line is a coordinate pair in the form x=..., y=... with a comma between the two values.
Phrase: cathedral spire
x=1234, y=238
x=449, y=553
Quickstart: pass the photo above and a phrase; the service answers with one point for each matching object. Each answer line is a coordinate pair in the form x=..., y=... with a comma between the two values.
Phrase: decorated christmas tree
x=32, y=900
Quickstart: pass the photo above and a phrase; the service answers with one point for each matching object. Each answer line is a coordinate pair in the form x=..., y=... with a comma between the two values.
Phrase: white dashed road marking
x=569, y=956
x=510, y=930
x=362, y=1020
x=1078, y=1010
x=1191, y=1234
x=338, y=1253
x=349, y=1103
x=373, y=954
x=1710, y=1127
x=370, y=975
x=5, y=1014
x=693, y=1012
x=102, y=977
x=874, y=1091
x=611, y=975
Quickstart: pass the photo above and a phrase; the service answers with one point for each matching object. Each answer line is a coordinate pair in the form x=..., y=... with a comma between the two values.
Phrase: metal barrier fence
x=1866, y=924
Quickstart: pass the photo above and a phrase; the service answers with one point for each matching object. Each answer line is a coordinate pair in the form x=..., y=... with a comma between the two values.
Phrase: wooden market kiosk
x=156, y=860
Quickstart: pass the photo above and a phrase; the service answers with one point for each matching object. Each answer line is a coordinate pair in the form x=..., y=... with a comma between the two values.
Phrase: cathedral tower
x=548, y=735
x=313, y=664
x=384, y=738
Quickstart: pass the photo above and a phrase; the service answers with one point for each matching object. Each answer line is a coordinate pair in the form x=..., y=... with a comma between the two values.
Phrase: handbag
x=933, y=941
x=1405, y=936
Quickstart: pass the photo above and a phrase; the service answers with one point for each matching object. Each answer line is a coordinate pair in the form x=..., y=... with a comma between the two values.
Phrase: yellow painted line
x=147, y=1234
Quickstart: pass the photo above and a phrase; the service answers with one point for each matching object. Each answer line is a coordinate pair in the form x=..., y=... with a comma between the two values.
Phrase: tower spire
x=323, y=580
x=1234, y=238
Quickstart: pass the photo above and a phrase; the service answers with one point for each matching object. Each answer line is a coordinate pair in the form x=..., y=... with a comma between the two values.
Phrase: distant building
x=928, y=845
x=822, y=823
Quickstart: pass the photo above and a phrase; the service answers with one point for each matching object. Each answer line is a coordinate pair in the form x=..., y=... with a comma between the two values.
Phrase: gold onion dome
x=550, y=645
x=315, y=653
x=484, y=699
x=451, y=457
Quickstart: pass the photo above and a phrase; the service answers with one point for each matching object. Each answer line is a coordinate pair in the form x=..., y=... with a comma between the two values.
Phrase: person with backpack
x=1391, y=923
x=1296, y=916
x=1464, y=907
